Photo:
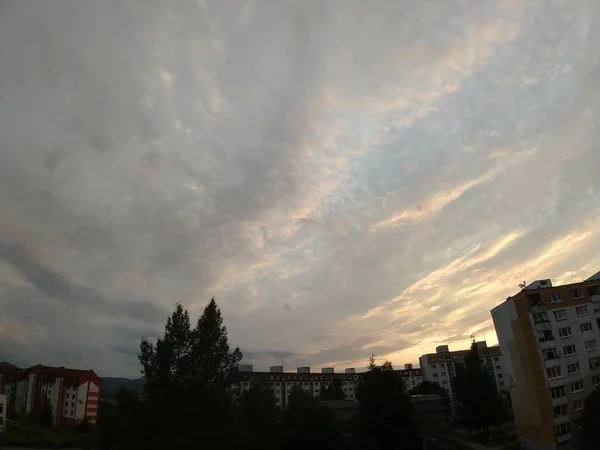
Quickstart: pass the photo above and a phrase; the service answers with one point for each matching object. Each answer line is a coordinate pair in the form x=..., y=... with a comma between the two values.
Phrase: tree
x=477, y=397
x=334, y=391
x=189, y=376
x=589, y=422
x=306, y=424
x=386, y=416
x=430, y=388
x=260, y=418
x=46, y=418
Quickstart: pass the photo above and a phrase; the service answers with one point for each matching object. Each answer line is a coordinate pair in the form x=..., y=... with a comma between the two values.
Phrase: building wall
x=553, y=372
x=3, y=411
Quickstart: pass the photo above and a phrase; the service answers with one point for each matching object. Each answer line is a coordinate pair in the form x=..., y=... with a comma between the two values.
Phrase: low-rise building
x=282, y=383
x=71, y=394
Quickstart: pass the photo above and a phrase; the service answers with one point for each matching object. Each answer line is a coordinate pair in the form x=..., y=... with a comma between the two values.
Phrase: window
x=546, y=336
x=596, y=380
x=444, y=382
x=443, y=374
x=573, y=368
x=442, y=366
x=578, y=405
x=553, y=372
x=576, y=293
x=564, y=332
x=499, y=375
x=498, y=367
x=590, y=345
x=581, y=310
x=496, y=359
x=569, y=350
x=501, y=384
x=577, y=386
x=560, y=314
x=551, y=353
x=435, y=375
x=558, y=392
x=561, y=410
x=563, y=428
x=433, y=366
x=555, y=297
x=586, y=327
x=66, y=403
x=595, y=362
x=578, y=423
x=72, y=405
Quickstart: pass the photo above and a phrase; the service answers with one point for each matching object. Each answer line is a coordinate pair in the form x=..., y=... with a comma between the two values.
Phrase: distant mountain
x=112, y=384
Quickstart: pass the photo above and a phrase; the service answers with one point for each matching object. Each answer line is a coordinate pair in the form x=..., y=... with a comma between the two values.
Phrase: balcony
x=551, y=363
x=562, y=419
x=543, y=326
x=563, y=438
x=595, y=298
x=537, y=308
x=555, y=382
x=547, y=344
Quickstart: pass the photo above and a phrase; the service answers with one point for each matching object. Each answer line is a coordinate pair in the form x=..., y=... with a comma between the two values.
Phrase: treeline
x=191, y=400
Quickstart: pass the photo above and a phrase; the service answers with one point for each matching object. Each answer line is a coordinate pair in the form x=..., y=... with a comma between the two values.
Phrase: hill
x=110, y=384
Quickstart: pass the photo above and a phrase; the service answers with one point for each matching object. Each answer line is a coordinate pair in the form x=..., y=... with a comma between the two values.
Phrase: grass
x=30, y=435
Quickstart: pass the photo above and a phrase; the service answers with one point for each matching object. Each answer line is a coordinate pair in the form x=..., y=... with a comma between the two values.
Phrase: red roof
x=63, y=372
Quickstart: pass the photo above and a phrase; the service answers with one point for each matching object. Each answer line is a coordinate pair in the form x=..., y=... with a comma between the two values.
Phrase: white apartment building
x=439, y=368
x=282, y=382
x=3, y=412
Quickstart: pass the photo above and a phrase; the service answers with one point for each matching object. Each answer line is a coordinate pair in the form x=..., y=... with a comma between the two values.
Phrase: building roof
x=63, y=372
x=596, y=276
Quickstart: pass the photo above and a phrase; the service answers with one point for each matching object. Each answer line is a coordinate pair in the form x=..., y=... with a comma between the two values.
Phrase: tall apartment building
x=282, y=382
x=440, y=368
x=550, y=335
x=3, y=412
x=71, y=394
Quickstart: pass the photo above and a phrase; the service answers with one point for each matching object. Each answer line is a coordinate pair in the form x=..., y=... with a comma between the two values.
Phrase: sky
x=347, y=178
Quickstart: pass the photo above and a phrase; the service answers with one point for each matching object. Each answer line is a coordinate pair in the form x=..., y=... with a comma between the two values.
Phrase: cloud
x=346, y=178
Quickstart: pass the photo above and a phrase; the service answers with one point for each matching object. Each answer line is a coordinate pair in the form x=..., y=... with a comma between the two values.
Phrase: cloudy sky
x=345, y=177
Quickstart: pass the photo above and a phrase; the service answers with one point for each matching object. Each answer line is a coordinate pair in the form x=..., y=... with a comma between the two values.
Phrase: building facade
x=70, y=394
x=550, y=335
x=411, y=376
x=440, y=368
x=3, y=412
x=282, y=382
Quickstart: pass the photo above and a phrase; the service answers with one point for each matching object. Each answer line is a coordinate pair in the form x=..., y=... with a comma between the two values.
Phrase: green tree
x=260, y=418
x=479, y=403
x=334, y=391
x=46, y=418
x=121, y=425
x=386, y=416
x=306, y=424
x=430, y=388
x=190, y=374
x=590, y=436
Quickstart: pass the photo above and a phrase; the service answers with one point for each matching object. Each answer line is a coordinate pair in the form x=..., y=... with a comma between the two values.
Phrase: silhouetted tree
x=430, y=388
x=189, y=376
x=476, y=393
x=46, y=418
x=260, y=418
x=334, y=391
x=386, y=414
x=589, y=423
x=306, y=424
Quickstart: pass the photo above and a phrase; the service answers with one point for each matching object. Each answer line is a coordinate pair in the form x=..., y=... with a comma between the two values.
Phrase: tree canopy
x=479, y=403
x=386, y=414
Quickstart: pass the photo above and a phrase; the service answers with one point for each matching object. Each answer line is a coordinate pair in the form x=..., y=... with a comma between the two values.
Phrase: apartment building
x=71, y=394
x=11, y=385
x=550, y=335
x=282, y=382
x=3, y=412
x=411, y=376
x=440, y=368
